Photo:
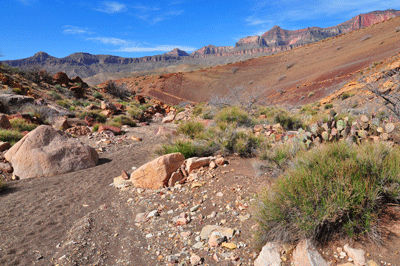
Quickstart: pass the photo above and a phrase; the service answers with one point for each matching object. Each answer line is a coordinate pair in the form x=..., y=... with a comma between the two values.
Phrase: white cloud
x=111, y=7
x=113, y=41
x=27, y=2
x=68, y=29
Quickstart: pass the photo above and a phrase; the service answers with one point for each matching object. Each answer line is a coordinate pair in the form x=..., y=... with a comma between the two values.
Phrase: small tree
x=391, y=100
x=245, y=98
x=117, y=90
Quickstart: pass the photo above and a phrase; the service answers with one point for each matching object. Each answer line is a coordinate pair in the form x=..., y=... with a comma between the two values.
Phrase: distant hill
x=275, y=40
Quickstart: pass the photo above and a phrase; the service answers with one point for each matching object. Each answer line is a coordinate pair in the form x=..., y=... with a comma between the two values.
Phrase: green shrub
x=288, y=121
x=97, y=95
x=10, y=135
x=310, y=94
x=187, y=148
x=55, y=95
x=93, y=114
x=328, y=106
x=17, y=90
x=233, y=114
x=191, y=129
x=21, y=125
x=346, y=95
x=333, y=188
x=281, y=154
x=96, y=127
x=63, y=103
x=134, y=111
x=123, y=120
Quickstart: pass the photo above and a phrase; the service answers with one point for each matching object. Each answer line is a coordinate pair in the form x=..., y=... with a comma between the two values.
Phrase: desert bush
x=328, y=106
x=346, y=95
x=96, y=115
x=97, y=95
x=21, y=125
x=63, y=103
x=117, y=90
x=233, y=114
x=310, y=94
x=10, y=135
x=289, y=121
x=96, y=127
x=44, y=113
x=134, y=111
x=281, y=154
x=124, y=120
x=187, y=147
x=191, y=129
x=333, y=188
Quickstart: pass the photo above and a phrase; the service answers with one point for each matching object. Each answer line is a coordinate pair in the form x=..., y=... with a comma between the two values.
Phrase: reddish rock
x=140, y=99
x=196, y=163
x=6, y=167
x=119, y=107
x=220, y=161
x=156, y=174
x=60, y=123
x=4, y=146
x=4, y=122
x=108, y=106
x=175, y=177
x=115, y=130
x=79, y=92
x=90, y=121
x=26, y=117
x=78, y=131
x=92, y=107
x=61, y=78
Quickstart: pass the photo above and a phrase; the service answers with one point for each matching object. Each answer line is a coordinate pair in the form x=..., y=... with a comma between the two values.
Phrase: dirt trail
x=36, y=214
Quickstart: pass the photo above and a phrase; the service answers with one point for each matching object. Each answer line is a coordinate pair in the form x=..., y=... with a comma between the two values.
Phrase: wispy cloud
x=111, y=7
x=113, y=41
x=130, y=46
x=69, y=29
x=27, y=2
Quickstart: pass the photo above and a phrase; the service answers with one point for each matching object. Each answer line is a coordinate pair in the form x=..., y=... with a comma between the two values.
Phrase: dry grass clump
x=333, y=188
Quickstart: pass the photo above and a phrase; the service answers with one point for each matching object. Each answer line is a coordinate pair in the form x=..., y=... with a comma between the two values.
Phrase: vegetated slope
x=275, y=40
x=284, y=78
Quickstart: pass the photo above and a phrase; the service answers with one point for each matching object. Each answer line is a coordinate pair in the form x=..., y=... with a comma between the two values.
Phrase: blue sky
x=140, y=28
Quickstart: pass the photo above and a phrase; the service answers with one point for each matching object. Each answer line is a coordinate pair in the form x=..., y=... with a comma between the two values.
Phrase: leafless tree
x=240, y=95
x=391, y=97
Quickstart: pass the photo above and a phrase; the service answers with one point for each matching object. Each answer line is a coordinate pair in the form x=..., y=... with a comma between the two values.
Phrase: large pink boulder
x=156, y=174
x=46, y=152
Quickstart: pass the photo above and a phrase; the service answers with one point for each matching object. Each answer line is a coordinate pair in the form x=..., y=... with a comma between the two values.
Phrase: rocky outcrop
x=46, y=152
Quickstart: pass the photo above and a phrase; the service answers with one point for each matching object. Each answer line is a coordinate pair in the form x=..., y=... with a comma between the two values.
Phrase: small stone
x=371, y=263
x=389, y=128
x=196, y=184
x=140, y=217
x=153, y=214
x=229, y=245
x=186, y=234
x=181, y=221
x=220, y=194
x=243, y=218
x=149, y=235
x=195, y=260
x=215, y=239
x=195, y=208
x=356, y=254
x=198, y=245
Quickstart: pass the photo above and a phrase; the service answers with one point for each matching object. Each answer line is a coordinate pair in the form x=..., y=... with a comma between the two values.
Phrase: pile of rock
x=76, y=85
x=166, y=171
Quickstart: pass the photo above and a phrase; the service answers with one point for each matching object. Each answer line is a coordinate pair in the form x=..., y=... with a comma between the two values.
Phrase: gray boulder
x=46, y=152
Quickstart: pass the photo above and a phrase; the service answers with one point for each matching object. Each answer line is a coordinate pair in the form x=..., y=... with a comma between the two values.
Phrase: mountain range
x=275, y=40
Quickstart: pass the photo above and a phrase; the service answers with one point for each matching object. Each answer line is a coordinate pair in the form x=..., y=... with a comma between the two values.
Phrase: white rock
x=358, y=255
x=269, y=256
